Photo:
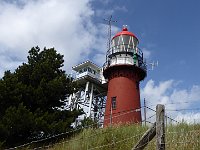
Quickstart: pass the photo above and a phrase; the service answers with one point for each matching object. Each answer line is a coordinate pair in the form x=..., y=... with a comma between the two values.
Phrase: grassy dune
x=180, y=137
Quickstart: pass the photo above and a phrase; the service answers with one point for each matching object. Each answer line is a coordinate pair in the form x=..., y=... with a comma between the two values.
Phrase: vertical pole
x=91, y=98
x=160, y=127
x=166, y=120
x=86, y=90
x=78, y=95
x=96, y=109
x=70, y=101
x=109, y=34
x=145, y=112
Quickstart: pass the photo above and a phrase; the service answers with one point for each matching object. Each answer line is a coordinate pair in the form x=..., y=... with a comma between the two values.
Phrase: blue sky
x=168, y=31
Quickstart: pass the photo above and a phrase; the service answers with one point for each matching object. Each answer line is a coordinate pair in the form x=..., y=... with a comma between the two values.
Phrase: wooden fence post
x=146, y=138
x=160, y=127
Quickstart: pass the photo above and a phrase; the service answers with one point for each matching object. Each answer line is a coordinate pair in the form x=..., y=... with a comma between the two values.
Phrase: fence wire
x=119, y=114
x=178, y=136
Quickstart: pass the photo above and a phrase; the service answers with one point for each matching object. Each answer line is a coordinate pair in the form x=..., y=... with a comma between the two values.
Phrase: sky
x=168, y=31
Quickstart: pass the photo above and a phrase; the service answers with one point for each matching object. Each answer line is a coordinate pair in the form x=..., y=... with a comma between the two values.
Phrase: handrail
x=142, y=64
x=125, y=48
x=87, y=73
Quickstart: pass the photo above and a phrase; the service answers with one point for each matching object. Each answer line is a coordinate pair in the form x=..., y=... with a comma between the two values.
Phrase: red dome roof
x=125, y=32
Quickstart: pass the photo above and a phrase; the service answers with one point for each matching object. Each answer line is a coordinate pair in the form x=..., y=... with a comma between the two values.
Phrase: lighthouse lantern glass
x=123, y=43
x=124, y=50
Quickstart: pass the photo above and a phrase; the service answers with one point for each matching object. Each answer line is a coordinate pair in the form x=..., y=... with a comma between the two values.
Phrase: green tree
x=32, y=99
x=88, y=122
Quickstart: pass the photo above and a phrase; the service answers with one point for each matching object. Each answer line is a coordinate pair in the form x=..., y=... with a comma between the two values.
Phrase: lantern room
x=124, y=50
x=126, y=38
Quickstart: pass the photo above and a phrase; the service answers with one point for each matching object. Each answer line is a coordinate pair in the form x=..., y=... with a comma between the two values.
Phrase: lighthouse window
x=89, y=69
x=114, y=104
x=84, y=69
x=80, y=71
x=126, y=39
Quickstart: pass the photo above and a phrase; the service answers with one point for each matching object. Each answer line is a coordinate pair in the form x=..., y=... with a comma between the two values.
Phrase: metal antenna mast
x=153, y=65
x=109, y=21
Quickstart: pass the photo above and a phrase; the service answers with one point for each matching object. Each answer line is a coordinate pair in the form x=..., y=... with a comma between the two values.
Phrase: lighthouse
x=124, y=69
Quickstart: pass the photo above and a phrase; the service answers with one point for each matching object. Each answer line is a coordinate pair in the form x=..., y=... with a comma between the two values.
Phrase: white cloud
x=156, y=93
x=7, y=62
x=65, y=25
x=177, y=101
x=189, y=118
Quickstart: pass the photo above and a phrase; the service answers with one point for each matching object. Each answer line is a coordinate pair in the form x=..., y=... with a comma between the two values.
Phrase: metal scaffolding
x=91, y=95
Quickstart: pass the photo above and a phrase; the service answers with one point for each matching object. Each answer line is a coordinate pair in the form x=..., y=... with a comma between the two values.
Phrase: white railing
x=122, y=60
x=87, y=73
x=124, y=48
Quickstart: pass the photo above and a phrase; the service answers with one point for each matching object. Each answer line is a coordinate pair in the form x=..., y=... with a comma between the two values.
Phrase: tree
x=32, y=99
x=88, y=122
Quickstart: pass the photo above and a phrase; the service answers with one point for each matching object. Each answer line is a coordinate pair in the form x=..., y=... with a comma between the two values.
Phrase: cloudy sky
x=168, y=32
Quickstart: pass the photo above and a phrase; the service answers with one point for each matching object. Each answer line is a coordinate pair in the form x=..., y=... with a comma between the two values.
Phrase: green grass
x=180, y=137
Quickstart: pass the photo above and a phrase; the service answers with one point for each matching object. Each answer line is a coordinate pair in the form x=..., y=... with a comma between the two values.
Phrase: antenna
x=153, y=65
x=109, y=21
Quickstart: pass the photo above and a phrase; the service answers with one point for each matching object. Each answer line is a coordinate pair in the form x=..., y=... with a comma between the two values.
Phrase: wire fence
x=119, y=114
x=181, y=139
x=180, y=136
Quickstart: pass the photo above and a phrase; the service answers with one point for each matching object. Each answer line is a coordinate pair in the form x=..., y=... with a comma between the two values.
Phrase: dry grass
x=180, y=137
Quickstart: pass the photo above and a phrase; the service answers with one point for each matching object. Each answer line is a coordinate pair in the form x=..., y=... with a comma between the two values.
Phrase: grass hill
x=181, y=136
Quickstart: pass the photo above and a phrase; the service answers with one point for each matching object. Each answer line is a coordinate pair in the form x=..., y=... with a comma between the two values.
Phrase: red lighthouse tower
x=124, y=69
